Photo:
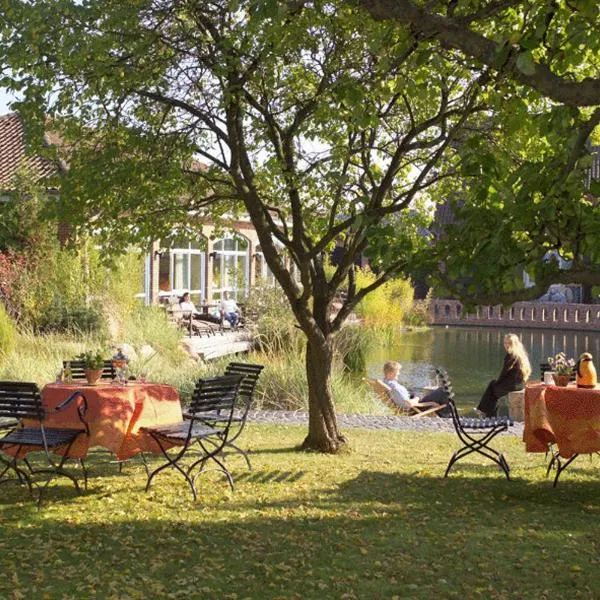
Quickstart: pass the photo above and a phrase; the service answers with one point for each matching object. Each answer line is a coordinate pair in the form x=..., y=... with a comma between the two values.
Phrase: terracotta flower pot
x=93, y=375
x=561, y=380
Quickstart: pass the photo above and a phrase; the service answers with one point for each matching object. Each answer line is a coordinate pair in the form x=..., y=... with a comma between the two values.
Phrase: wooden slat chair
x=475, y=434
x=22, y=400
x=422, y=409
x=251, y=374
x=78, y=369
x=217, y=395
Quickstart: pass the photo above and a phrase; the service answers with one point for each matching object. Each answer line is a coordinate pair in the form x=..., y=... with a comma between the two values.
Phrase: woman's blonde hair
x=516, y=350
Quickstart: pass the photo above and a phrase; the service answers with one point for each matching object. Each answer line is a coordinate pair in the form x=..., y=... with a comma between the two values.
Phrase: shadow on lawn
x=374, y=536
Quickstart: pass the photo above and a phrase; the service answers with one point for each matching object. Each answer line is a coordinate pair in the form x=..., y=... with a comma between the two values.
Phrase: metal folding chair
x=474, y=434
x=22, y=400
x=217, y=395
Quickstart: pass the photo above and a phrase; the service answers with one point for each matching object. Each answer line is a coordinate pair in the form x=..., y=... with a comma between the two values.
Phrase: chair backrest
x=215, y=395
x=21, y=400
x=446, y=385
x=251, y=374
x=78, y=369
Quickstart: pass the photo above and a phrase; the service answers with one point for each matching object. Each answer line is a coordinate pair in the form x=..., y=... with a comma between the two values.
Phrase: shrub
x=147, y=325
x=59, y=317
x=282, y=386
x=386, y=306
x=273, y=322
x=7, y=333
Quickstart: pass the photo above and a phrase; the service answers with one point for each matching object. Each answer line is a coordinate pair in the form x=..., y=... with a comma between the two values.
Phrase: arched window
x=230, y=266
x=182, y=268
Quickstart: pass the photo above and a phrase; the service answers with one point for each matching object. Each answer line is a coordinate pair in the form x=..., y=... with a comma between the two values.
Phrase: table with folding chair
x=562, y=420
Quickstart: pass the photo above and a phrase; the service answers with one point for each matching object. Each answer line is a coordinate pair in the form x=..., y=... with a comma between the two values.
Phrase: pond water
x=473, y=355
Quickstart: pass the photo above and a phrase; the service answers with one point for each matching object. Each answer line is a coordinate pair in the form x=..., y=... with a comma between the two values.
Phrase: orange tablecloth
x=568, y=416
x=115, y=414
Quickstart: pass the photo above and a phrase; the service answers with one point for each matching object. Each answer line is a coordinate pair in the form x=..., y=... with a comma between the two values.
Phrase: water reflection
x=472, y=356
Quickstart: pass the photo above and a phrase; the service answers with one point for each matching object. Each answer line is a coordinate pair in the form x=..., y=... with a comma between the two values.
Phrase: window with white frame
x=182, y=269
x=231, y=266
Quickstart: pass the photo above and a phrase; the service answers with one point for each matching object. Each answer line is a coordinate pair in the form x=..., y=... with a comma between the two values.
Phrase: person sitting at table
x=230, y=311
x=187, y=306
x=516, y=370
x=405, y=399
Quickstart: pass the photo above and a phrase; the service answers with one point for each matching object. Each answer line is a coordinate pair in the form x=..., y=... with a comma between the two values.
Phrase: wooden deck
x=215, y=346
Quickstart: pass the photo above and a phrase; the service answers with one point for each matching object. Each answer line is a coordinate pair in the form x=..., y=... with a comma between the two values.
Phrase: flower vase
x=93, y=375
x=561, y=380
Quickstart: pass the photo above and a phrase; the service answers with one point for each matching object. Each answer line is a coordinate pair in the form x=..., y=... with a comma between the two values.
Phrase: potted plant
x=93, y=364
x=562, y=368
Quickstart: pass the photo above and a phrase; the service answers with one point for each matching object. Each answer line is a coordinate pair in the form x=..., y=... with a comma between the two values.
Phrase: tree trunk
x=323, y=433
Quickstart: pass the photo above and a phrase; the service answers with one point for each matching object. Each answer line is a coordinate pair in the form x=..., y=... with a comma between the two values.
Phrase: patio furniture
x=78, y=369
x=251, y=374
x=115, y=414
x=217, y=395
x=567, y=418
x=21, y=401
x=421, y=409
x=474, y=434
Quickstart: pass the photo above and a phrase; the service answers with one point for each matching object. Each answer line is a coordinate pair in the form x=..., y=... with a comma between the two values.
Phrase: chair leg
x=480, y=447
x=21, y=475
x=212, y=455
x=242, y=452
x=561, y=467
x=171, y=462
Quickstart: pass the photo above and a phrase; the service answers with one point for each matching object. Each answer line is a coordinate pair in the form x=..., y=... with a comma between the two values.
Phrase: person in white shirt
x=185, y=304
x=402, y=397
x=230, y=310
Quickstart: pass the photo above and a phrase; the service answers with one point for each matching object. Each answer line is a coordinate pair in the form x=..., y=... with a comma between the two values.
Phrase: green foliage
x=283, y=386
x=353, y=343
x=419, y=314
x=61, y=317
x=24, y=220
x=92, y=359
x=7, y=333
x=273, y=322
x=148, y=325
x=388, y=305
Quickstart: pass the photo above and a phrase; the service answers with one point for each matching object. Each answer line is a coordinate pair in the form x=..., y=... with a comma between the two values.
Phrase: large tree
x=323, y=125
x=533, y=194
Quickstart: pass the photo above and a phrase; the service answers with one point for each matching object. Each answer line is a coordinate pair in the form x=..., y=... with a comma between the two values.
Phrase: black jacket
x=510, y=378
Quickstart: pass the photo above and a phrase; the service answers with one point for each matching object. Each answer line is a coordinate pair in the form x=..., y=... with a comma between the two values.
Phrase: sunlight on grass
x=377, y=522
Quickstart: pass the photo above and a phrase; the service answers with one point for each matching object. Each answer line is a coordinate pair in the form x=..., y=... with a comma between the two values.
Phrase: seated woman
x=186, y=305
x=405, y=399
x=197, y=321
x=515, y=372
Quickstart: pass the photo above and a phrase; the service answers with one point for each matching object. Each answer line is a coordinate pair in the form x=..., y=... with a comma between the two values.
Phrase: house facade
x=231, y=262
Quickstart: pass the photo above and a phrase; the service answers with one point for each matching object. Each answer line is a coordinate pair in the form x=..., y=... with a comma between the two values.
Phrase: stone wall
x=584, y=317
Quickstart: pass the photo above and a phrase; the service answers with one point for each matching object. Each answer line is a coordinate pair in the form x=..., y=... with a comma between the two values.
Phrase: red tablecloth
x=115, y=414
x=568, y=416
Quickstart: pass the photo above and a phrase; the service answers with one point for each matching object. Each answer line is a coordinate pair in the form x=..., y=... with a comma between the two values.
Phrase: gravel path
x=433, y=424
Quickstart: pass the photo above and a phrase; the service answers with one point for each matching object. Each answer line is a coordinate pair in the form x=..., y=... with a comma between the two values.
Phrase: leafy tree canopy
x=324, y=125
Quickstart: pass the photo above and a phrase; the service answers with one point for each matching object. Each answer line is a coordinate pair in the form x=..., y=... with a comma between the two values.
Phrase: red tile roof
x=14, y=154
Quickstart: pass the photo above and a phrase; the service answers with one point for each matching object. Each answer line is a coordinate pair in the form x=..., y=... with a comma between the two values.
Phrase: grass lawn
x=376, y=522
